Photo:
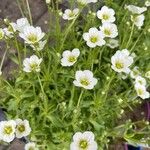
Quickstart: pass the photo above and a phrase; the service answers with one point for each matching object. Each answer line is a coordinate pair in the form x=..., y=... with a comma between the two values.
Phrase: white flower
x=7, y=130
x=70, y=14
x=84, y=2
x=85, y=79
x=70, y=57
x=39, y=46
x=147, y=74
x=138, y=20
x=112, y=43
x=109, y=30
x=32, y=64
x=22, y=128
x=83, y=141
x=48, y=1
x=32, y=35
x=92, y=1
x=134, y=72
x=141, y=91
x=9, y=32
x=0, y=72
x=140, y=80
x=121, y=61
x=30, y=146
x=106, y=14
x=147, y=3
x=21, y=24
x=1, y=33
x=135, y=9
x=94, y=38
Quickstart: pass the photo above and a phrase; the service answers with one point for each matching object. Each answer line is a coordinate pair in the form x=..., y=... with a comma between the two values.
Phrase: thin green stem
x=18, y=51
x=68, y=30
x=44, y=97
x=42, y=89
x=136, y=42
x=132, y=29
x=100, y=56
x=108, y=85
x=72, y=96
x=21, y=10
x=29, y=12
x=25, y=51
x=66, y=34
x=3, y=58
x=79, y=100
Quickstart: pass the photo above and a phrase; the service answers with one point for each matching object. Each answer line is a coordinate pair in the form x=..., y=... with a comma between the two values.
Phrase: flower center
x=105, y=17
x=71, y=14
x=33, y=66
x=84, y=82
x=107, y=32
x=119, y=65
x=21, y=128
x=32, y=38
x=140, y=91
x=31, y=148
x=8, y=130
x=93, y=39
x=72, y=59
x=135, y=72
x=135, y=18
x=83, y=144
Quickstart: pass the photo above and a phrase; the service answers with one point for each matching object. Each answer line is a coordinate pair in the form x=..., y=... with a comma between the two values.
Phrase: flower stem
x=45, y=98
x=79, y=100
x=100, y=56
x=29, y=12
x=71, y=99
x=21, y=10
x=132, y=29
x=68, y=30
x=3, y=58
x=18, y=51
x=42, y=89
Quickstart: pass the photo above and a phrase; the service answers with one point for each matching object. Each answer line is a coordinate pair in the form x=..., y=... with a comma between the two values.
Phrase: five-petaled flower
x=32, y=35
x=30, y=146
x=83, y=141
x=141, y=91
x=32, y=64
x=22, y=128
x=121, y=61
x=7, y=130
x=94, y=38
x=109, y=30
x=135, y=9
x=70, y=14
x=85, y=79
x=70, y=57
x=106, y=14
